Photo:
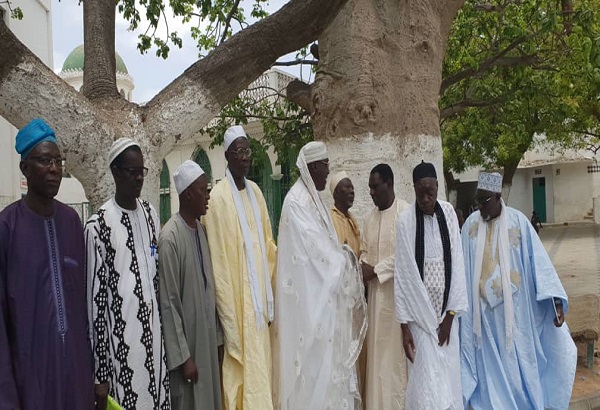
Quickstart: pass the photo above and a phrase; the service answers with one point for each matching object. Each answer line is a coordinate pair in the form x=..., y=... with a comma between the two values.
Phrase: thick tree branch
x=99, y=77
x=496, y=60
x=295, y=62
x=227, y=70
x=463, y=105
x=29, y=89
x=300, y=93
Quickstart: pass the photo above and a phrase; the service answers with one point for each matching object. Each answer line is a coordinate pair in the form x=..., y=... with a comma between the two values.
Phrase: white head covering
x=490, y=182
x=317, y=151
x=119, y=146
x=336, y=179
x=314, y=151
x=187, y=173
x=233, y=133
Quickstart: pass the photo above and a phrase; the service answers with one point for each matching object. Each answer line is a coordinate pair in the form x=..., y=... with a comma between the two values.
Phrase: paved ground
x=575, y=252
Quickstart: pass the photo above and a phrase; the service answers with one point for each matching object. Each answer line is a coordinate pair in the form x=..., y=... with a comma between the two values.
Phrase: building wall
x=573, y=189
x=35, y=31
x=216, y=156
x=520, y=192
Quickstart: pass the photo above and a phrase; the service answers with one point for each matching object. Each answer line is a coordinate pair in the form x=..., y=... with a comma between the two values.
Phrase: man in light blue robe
x=515, y=353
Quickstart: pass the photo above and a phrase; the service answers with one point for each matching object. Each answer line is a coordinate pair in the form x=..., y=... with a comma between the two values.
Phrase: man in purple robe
x=45, y=354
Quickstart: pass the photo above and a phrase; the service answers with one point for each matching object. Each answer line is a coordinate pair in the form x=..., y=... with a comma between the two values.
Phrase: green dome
x=74, y=61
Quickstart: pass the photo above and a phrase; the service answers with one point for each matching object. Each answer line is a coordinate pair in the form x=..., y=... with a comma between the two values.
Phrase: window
x=592, y=169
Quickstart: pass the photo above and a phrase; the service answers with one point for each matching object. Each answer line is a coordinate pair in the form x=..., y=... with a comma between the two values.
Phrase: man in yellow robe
x=344, y=222
x=244, y=256
x=386, y=375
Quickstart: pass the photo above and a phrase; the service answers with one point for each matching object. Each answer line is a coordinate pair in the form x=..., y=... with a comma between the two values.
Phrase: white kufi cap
x=336, y=179
x=186, y=174
x=233, y=133
x=119, y=146
x=490, y=182
x=314, y=151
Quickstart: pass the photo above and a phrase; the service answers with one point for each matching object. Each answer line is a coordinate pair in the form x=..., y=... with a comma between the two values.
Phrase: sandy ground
x=574, y=250
x=587, y=381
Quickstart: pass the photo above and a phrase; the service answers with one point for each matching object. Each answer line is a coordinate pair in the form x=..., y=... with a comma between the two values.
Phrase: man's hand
x=408, y=342
x=189, y=371
x=444, y=329
x=559, y=319
x=101, y=396
x=368, y=272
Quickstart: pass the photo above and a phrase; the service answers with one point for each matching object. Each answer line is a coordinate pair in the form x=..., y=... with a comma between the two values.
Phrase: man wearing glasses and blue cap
x=45, y=356
x=122, y=259
x=515, y=351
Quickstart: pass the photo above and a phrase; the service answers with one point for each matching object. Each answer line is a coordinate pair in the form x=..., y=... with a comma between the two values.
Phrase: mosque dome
x=74, y=62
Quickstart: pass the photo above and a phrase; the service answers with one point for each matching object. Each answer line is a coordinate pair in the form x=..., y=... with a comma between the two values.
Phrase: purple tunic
x=45, y=354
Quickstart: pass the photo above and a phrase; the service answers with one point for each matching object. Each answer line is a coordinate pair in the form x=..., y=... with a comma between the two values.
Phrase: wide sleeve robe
x=189, y=316
x=247, y=362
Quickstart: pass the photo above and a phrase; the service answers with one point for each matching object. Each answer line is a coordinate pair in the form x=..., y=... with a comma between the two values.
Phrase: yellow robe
x=247, y=366
x=347, y=229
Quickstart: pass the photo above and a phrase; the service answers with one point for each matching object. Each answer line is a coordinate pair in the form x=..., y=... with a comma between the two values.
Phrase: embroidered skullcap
x=336, y=179
x=119, y=146
x=424, y=170
x=314, y=151
x=491, y=182
x=186, y=174
x=233, y=133
x=34, y=133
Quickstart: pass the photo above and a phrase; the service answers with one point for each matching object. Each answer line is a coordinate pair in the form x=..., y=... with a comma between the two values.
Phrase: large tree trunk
x=99, y=74
x=509, y=170
x=87, y=126
x=452, y=186
x=375, y=97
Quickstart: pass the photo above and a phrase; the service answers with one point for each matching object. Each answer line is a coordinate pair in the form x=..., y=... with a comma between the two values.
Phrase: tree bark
x=99, y=74
x=86, y=127
x=377, y=86
x=452, y=186
x=509, y=170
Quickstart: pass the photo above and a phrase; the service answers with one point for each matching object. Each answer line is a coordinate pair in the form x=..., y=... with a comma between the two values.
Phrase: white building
x=35, y=31
x=560, y=185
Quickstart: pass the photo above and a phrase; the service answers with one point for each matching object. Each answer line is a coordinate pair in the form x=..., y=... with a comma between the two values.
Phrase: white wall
x=573, y=190
x=520, y=192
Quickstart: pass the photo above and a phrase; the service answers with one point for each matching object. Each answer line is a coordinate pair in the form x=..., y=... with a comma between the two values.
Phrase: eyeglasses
x=47, y=162
x=136, y=172
x=242, y=152
x=483, y=200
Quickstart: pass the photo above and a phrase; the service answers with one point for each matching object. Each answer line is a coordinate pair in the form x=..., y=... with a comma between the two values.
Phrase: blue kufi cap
x=34, y=133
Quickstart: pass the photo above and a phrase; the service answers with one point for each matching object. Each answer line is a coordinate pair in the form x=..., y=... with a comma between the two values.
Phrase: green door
x=539, y=197
x=201, y=158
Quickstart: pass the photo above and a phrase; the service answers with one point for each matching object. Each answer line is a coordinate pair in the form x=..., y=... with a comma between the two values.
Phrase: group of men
x=215, y=315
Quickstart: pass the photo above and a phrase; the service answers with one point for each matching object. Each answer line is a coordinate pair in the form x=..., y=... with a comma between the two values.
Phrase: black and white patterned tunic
x=125, y=326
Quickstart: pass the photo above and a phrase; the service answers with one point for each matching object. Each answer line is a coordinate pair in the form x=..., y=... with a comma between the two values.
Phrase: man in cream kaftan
x=320, y=308
x=244, y=255
x=386, y=362
x=430, y=292
x=516, y=353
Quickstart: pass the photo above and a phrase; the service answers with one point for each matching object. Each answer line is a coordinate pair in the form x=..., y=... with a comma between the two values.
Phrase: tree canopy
x=515, y=69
